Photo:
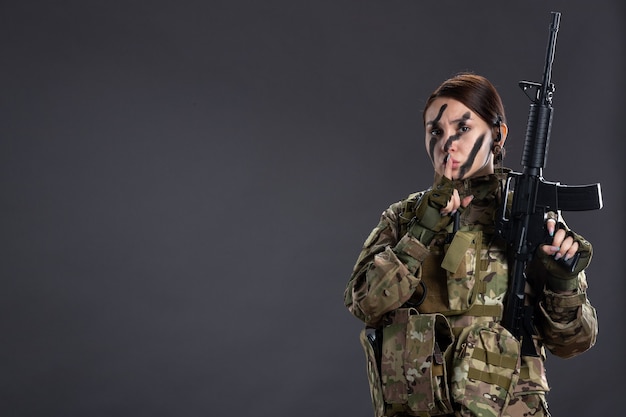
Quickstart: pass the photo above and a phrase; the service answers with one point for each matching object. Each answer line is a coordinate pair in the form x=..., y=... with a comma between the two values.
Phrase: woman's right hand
x=454, y=202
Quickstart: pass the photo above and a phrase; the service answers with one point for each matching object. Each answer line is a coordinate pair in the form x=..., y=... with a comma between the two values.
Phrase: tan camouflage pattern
x=413, y=365
x=569, y=322
x=528, y=404
x=484, y=371
x=461, y=279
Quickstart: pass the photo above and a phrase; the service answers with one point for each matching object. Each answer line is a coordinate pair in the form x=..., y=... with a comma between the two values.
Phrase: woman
x=431, y=279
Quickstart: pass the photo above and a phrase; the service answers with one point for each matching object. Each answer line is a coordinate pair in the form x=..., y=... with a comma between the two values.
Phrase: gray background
x=186, y=185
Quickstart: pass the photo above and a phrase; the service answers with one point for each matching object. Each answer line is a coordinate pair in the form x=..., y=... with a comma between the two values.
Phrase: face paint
x=433, y=139
x=450, y=140
x=431, y=147
x=461, y=122
x=471, y=157
x=436, y=120
x=456, y=140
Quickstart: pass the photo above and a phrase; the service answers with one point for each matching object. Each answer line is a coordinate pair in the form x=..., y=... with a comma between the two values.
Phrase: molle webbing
x=524, y=372
x=493, y=359
x=485, y=310
x=494, y=311
x=489, y=378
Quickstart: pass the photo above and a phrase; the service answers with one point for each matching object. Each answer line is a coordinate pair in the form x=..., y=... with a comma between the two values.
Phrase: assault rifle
x=524, y=226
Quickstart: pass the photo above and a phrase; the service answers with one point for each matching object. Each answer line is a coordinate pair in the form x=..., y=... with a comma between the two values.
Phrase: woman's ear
x=503, y=131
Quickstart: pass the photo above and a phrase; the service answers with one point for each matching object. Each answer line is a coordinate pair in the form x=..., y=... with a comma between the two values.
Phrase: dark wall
x=186, y=185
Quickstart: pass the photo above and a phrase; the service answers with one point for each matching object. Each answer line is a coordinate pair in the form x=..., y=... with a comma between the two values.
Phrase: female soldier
x=431, y=279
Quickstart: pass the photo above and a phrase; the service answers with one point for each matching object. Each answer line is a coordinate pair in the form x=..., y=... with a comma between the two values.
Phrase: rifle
x=524, y=228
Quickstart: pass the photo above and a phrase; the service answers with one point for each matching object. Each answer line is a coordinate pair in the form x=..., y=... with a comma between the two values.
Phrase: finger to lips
x=447, y=161
x=447, y=172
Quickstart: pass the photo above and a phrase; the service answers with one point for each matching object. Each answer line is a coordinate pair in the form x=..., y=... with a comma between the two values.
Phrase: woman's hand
x=455, y=200
x=565, y=257
x=563, y=245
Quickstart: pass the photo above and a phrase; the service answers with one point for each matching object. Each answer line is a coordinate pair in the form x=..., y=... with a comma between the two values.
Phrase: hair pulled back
x=475, y=92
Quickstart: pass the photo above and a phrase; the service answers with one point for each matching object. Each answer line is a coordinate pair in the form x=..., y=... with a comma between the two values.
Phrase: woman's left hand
x=563, y=245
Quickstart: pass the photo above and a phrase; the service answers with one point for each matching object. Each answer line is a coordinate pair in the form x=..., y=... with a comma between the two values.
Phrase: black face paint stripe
x=433, y=139
x=450, y=140
x=464, y=118
x=441, y=110
x=431, y=147
x=453, y=138
x=471, y=157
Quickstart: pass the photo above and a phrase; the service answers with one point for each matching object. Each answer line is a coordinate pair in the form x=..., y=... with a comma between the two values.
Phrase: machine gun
x=523, y=227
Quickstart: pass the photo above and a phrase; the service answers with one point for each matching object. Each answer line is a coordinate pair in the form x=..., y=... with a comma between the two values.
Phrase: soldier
x=431, y=292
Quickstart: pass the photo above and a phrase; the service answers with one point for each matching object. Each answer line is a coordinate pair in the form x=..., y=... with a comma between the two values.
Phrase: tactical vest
x=467, y=274
x=445, y=345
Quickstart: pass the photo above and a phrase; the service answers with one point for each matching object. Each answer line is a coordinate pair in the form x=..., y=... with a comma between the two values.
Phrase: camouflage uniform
x=433, y=338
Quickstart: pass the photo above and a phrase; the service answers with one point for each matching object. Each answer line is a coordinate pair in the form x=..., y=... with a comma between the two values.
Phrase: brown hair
x=475, y=92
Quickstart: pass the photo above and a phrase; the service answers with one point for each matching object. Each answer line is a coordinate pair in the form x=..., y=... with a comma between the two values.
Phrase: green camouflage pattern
x=485, y=369
x=462, y=273
x=527, y=404
x=387, y=275
x=413, y=368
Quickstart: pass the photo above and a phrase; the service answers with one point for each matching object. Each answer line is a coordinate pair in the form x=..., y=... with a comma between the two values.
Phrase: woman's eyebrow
x=463, y=119
x=466, y=116
x=436, y=120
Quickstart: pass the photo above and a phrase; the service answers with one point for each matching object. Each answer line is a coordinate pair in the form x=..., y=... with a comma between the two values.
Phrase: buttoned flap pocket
x=460, y=264
x=532, y=378
x=413, y=368
x=485, y=368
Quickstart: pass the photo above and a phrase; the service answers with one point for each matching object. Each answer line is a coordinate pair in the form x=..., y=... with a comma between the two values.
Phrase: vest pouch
x=529, y=396
x=532, y=377
x=413, y=366
x=486, y=368
x=460, y=264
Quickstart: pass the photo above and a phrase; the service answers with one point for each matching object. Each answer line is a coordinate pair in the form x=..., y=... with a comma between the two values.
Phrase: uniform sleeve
x=569, y=324
x=568, y=321
x=383, y=277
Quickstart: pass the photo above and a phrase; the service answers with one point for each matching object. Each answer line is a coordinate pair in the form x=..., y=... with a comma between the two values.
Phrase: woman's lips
x=453, y=161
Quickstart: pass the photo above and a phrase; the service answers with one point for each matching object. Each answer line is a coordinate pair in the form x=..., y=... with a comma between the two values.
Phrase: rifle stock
x=523, y=227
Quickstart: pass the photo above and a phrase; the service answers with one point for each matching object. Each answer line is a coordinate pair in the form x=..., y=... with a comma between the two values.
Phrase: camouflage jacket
x=395, y=271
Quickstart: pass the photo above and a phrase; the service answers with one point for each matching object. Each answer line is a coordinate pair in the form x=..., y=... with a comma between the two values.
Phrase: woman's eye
x=435, y=132
x=464, y=129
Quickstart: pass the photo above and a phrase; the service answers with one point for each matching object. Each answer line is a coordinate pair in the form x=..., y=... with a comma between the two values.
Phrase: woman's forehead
x=448, y=109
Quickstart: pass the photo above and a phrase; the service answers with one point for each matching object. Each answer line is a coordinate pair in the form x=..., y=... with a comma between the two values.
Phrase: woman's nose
x=448, y=143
